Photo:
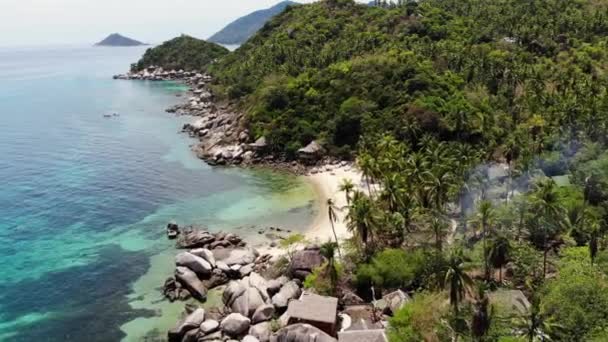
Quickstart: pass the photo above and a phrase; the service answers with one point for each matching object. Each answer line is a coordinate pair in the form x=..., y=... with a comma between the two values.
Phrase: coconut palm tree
x=485, y=218
x=328, y=250
x=535, y=326
x=439, y=227
x=511, y=151
x=499, y=253
x=331, y=212
x=546, y=199
x=361, y=218
x=439, y=182
x=347, y=187
x=457, y=281
x=593, y=243
x=392, y=192
x=482, y=314
x=365, y=165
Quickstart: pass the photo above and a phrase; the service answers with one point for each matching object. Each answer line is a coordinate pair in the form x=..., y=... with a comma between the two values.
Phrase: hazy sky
x=44, y=22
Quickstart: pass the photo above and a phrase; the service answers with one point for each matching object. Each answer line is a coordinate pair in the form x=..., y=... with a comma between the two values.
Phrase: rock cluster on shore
x=211, y=260
x=155, y=73
x=255, y=308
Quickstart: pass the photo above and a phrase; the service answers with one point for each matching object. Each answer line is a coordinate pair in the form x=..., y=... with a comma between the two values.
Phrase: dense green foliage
x=238, y=31
x=578, y=298
x=183, y=52
x=523, y=222
x=484, y=73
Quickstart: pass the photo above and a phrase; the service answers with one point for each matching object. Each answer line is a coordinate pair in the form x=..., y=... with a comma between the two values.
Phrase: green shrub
x=420, y=320
x=578, y=298
x=320, y=281
x=393, y=268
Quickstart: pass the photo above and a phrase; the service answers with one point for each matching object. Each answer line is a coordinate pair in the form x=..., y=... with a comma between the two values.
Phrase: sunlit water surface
x=85, y=198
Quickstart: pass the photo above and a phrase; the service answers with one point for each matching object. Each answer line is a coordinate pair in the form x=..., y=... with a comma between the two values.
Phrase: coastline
x=324, y=180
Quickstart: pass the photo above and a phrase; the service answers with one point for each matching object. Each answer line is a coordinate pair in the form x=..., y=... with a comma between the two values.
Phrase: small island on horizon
x=116, y=39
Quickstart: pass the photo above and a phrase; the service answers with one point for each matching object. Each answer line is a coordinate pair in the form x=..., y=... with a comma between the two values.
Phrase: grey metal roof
x=377, y=335
x=312, y=307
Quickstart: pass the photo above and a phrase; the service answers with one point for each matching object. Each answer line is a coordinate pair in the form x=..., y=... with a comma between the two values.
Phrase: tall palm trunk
x=485, y=251
x=336, y=237
x=545, y=249
x=369, y=189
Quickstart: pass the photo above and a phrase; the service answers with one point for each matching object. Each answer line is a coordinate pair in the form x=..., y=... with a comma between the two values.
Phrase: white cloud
x=37, y=22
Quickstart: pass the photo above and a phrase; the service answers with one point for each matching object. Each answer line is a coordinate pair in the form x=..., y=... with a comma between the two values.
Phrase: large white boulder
x=235, y=324
x=193, y=262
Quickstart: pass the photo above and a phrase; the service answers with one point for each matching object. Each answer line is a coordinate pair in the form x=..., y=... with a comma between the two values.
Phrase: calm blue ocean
x=84, y=199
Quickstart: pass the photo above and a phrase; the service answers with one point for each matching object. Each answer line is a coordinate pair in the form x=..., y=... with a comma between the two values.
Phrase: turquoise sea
x=84, y=199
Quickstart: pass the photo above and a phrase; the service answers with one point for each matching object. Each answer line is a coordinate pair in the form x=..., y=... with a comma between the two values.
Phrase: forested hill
x=183, y=52
x=238, y=31
x=492, y=74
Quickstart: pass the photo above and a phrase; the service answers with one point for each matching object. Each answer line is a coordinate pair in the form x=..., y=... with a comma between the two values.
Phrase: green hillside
x=471, y=71
x=183, y=52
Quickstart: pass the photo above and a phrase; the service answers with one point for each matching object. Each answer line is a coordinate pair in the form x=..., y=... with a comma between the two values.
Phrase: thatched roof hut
x=312, y=151
x=259, y=145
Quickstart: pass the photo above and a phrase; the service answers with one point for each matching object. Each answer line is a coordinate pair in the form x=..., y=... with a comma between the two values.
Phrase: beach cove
x=88, y=197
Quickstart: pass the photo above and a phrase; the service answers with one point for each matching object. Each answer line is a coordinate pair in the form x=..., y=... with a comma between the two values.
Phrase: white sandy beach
x=327, y=184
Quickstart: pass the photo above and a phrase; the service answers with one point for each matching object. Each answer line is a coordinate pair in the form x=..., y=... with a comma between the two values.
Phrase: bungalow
x=259, y=145
x=311, y=152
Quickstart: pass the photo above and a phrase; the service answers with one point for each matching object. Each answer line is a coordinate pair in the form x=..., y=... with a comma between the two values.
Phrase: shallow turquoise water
x=85, y=198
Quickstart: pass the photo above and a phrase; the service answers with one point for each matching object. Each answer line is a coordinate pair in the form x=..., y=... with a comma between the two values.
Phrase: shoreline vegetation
x=480, y=212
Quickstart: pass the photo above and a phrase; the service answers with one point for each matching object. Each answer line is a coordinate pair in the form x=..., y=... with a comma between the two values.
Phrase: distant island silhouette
x=116, y=39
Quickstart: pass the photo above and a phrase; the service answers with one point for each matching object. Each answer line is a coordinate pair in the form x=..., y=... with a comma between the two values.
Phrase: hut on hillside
x=312, y=152
x=259, y=145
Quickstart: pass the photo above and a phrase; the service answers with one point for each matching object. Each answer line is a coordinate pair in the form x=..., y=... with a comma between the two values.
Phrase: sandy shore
x=327, y=185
